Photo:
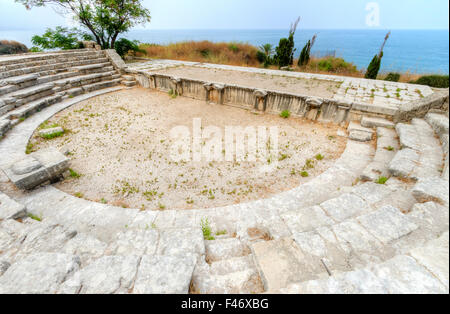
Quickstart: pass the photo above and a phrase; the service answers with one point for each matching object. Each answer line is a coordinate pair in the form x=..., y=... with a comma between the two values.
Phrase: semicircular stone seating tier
x=339, y=233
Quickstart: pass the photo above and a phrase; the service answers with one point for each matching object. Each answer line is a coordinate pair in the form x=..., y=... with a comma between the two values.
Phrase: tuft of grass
x=52, y=135
x=206, y=229
x=29, y=149
x=381, y=180
x=285, y=114
x=221, y=232
x=389, y=148
x=34, y=217
x=319, y=157
x=304, y=174
x=74, y=174
x=173, y=94
x=79, y=194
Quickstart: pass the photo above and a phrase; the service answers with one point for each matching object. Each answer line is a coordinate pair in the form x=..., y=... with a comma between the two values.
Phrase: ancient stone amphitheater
x=339, y=233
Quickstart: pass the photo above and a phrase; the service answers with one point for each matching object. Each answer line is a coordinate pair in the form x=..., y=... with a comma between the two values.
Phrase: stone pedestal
x=37, y=168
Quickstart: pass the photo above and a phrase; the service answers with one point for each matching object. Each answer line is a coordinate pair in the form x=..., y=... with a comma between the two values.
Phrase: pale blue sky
x=256, y=14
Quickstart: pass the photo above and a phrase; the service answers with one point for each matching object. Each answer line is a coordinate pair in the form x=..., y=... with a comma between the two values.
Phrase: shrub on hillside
x=392, y=77
x=437, y=81
x=124, y=46
x=8, y=47
x=334, y=65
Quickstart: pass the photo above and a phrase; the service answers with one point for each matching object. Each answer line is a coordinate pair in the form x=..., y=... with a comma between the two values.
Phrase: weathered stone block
x=37, y=168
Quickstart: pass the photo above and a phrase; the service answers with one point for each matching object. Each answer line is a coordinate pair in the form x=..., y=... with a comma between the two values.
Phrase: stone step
x=232, y=265
x=423, y=271
x=48, y=69
x=439, y=123
x=32, y=57
x=32, y=107
x=10, y=209
x=280, y=263
x=79, y=80
x=387, y=147
x=17, y=80
x=5, y=125
x=354, y=242
x=54, y=61
x=129, y=83
x=8, y=89
x=90, y=68
x=421, y=155
x=240, y=282
x=222, y=249
x=373, y=122
x=100, y=85
x=55, y=77
x=359, y=133
x=158, y=274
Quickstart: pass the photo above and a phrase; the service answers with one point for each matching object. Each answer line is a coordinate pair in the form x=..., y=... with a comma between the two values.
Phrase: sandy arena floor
x=120, y=146
x=310, y=87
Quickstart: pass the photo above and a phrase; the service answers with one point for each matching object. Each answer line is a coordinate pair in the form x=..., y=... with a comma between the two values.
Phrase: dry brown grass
x=240, y=54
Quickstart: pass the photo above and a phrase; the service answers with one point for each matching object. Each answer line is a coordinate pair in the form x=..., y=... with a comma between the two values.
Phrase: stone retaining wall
x=313, y=108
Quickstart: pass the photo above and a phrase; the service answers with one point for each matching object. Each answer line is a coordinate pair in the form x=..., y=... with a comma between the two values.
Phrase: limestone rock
x=432, y=189
x=38, y=273
x=10, y=209
x=26, y=173
x=165, y=274
x=109, y=274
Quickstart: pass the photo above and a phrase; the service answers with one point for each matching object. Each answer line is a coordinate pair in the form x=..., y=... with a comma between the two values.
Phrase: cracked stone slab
x=435, y=257
x=373, y=122
x=165, y=274
x=387, y=224
x=403, y=275
x=134, y=242
x=404, y=162
x=439, y=122
x=181, y=241
x=86, y=247
x=360, y=136
x=10, y=209
x=222, y=249
x=39, y=273
x=306, y=219
x=432, y=189
x=408, y=136
x=280, y=263
x=345, y=206
x=37, y=168
x=109, y=274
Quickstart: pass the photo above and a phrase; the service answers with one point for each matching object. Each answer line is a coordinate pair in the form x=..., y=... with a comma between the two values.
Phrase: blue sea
x=416, y=51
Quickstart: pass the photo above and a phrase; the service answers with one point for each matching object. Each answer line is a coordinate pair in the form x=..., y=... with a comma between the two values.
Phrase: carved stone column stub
x=260, y=100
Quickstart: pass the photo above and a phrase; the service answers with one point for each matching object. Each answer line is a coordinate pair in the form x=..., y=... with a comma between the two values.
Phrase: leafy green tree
x=285, y=51
x=105, y=19
x=375, y=64
x=61, y=37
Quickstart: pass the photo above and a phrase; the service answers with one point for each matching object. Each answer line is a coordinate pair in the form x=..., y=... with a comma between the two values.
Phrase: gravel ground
x=120, y=149
x=309, y=87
